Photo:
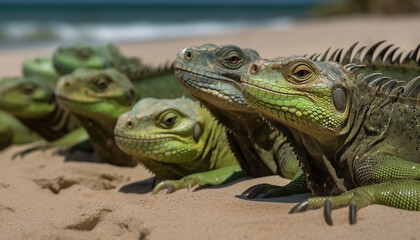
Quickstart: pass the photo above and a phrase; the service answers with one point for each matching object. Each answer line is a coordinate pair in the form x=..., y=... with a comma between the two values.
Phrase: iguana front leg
x=213, y=177
x=72, y=139
x=385, y=179
x=404, y=194
x=296, y=186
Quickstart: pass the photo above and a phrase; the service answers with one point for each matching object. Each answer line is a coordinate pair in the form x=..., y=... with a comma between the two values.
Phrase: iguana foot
x=267, y=191
x=396, y=193
x=354, y=199
x=296, y=186
x=173, y=185
x=26, y=151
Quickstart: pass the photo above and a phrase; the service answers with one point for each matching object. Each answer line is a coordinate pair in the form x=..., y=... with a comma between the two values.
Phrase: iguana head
x=212, y=74
x=312, y=97
x=27, y=97
x=163, y=130
x=40, y=67
x=96, y=93
x=68, y=58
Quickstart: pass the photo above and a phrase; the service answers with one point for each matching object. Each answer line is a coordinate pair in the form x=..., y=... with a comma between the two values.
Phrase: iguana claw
x=300, y=207
x=353, y=213
x=327, y=212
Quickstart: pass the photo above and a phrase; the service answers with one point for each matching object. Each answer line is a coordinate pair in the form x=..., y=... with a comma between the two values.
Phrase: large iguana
x=357, y=136
x=212, y=75
x=14, y=132
x=96, y=98
x=179, y=141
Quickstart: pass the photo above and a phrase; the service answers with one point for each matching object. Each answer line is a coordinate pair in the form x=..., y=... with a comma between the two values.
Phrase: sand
x=49, y=196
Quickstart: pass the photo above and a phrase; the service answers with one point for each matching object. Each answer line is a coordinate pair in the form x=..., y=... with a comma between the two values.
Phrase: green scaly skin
x=41, y=67
x=179, y=141
x=156, y=82
x=66, y=59
x=356, y=136
x=31, y=100
x=96, y=98
x=211, y=74
x=14, y=132
x=388, y=61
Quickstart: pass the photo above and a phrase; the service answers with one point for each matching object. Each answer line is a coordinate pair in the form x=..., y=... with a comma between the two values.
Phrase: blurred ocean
x=22, y=25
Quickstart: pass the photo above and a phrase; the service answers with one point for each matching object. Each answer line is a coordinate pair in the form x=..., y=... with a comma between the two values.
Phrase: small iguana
x=96, y=98
x=31, y=100
x=68, y=58
x=211, y=74
x=14, y=132
x=357, y=136
x=179, y=141
x=41, y=67
x=149, y=81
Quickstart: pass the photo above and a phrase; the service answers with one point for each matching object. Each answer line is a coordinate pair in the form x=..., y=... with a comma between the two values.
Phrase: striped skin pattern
x=179, y=141
x=366, y=147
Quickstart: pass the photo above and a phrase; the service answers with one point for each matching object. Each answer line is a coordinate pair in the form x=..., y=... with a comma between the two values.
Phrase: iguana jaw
x=271, y=88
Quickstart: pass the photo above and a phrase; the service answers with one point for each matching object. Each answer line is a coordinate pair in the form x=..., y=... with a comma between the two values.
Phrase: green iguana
x=31, y=100
x=68, y=58
x=179, y=141
x=14, y=132
x=41, y=67
x=357, y=136
x=96, y=98
x=212, y=75
x=149, y=81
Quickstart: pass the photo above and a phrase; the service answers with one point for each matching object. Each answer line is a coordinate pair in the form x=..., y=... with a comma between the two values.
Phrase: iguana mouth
x=204, y=84
x=244, y=84
x=65, y=99
x=143, y=138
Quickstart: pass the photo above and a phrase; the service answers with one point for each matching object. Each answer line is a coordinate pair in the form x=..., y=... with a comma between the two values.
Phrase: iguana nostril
x=67, y=83
x=254, y=68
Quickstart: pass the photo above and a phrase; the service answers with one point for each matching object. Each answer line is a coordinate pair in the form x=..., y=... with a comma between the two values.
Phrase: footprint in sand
x=89, y=179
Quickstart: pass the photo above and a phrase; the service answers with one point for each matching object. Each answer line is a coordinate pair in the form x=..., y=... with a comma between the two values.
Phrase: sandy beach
x=49, y=196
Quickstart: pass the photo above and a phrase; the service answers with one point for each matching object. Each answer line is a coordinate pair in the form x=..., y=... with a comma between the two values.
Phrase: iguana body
x=179, y=141
x=14, y=132
x=41, y=67
x=96, y=98
x=356, y=135
x=212, y=75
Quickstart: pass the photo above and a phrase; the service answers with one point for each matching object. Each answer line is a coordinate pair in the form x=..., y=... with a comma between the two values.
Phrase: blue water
x=46, y=24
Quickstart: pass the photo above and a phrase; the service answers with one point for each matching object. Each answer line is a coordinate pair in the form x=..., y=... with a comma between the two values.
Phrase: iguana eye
x=28, y=89
x=102, y=83
x=84, y=54
x=302, y=73
x=232, y=60
x=169, y=119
